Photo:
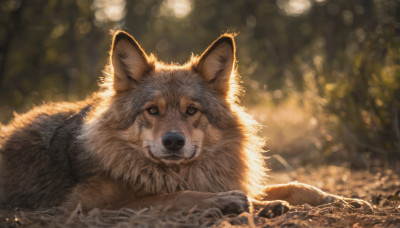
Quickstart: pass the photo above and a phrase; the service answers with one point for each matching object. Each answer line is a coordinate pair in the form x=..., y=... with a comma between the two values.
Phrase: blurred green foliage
x=355, y=89
x=342, y=56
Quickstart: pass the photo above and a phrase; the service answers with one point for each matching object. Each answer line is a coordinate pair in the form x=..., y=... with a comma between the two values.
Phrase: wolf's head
x=153, y=118
x=172, y=110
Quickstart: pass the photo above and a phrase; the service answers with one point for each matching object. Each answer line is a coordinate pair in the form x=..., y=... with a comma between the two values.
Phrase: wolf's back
x=39, y=155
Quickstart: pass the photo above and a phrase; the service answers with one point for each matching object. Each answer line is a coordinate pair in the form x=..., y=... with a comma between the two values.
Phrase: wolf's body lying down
x=154, y=135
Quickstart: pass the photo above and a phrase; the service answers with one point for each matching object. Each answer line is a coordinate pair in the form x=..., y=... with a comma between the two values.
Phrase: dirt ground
x=378, y=186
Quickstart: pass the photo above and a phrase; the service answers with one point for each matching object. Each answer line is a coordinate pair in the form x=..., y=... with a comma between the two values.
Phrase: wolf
x=154, y=135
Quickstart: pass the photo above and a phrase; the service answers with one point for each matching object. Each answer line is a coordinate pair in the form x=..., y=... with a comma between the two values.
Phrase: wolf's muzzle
x=173, y=142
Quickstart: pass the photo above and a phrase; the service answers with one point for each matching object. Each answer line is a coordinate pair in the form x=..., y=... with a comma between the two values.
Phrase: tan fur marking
x=159, y=102
x=212, y=134
x=186, y=102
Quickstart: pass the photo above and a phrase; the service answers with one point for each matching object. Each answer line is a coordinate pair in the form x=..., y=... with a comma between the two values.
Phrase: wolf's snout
x=173, y=141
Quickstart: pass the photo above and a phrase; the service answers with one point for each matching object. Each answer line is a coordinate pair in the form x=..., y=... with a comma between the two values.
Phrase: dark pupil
x=191, y=111
x=153, y=110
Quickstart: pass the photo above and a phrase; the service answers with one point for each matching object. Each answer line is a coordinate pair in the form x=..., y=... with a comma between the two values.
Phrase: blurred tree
x=354, y=82
x=50, y=50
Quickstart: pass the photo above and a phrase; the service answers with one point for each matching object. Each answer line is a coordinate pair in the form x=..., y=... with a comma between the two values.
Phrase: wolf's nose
x=173, y=141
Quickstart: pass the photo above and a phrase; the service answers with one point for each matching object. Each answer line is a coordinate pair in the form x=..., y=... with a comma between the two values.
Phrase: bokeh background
x=321, y=76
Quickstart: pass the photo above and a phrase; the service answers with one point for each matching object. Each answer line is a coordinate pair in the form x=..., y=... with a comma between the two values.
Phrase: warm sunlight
x=109, y=10
x=176, y=8
x=294, y=7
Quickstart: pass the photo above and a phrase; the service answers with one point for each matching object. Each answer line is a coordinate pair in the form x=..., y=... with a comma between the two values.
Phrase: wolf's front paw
x=232, y=202
x=272, y=209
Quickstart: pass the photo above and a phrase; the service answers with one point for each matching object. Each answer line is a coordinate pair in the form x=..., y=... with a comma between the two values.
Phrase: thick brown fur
x=114, y=149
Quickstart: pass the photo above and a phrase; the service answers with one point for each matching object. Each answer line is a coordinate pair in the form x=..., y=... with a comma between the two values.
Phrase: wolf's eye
x=190, y=111
x=153, y=111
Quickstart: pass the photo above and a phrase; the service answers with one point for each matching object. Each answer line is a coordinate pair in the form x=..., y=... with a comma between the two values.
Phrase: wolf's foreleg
x=298, y=193
x=232, y=202
x=100, y=192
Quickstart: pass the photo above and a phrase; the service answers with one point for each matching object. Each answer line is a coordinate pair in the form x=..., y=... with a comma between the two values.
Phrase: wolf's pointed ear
x=216, y=63
x=129, y=61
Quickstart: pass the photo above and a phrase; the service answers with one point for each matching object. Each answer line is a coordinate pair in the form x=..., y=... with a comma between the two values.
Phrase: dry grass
x=59, y=217
x=375, y=186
